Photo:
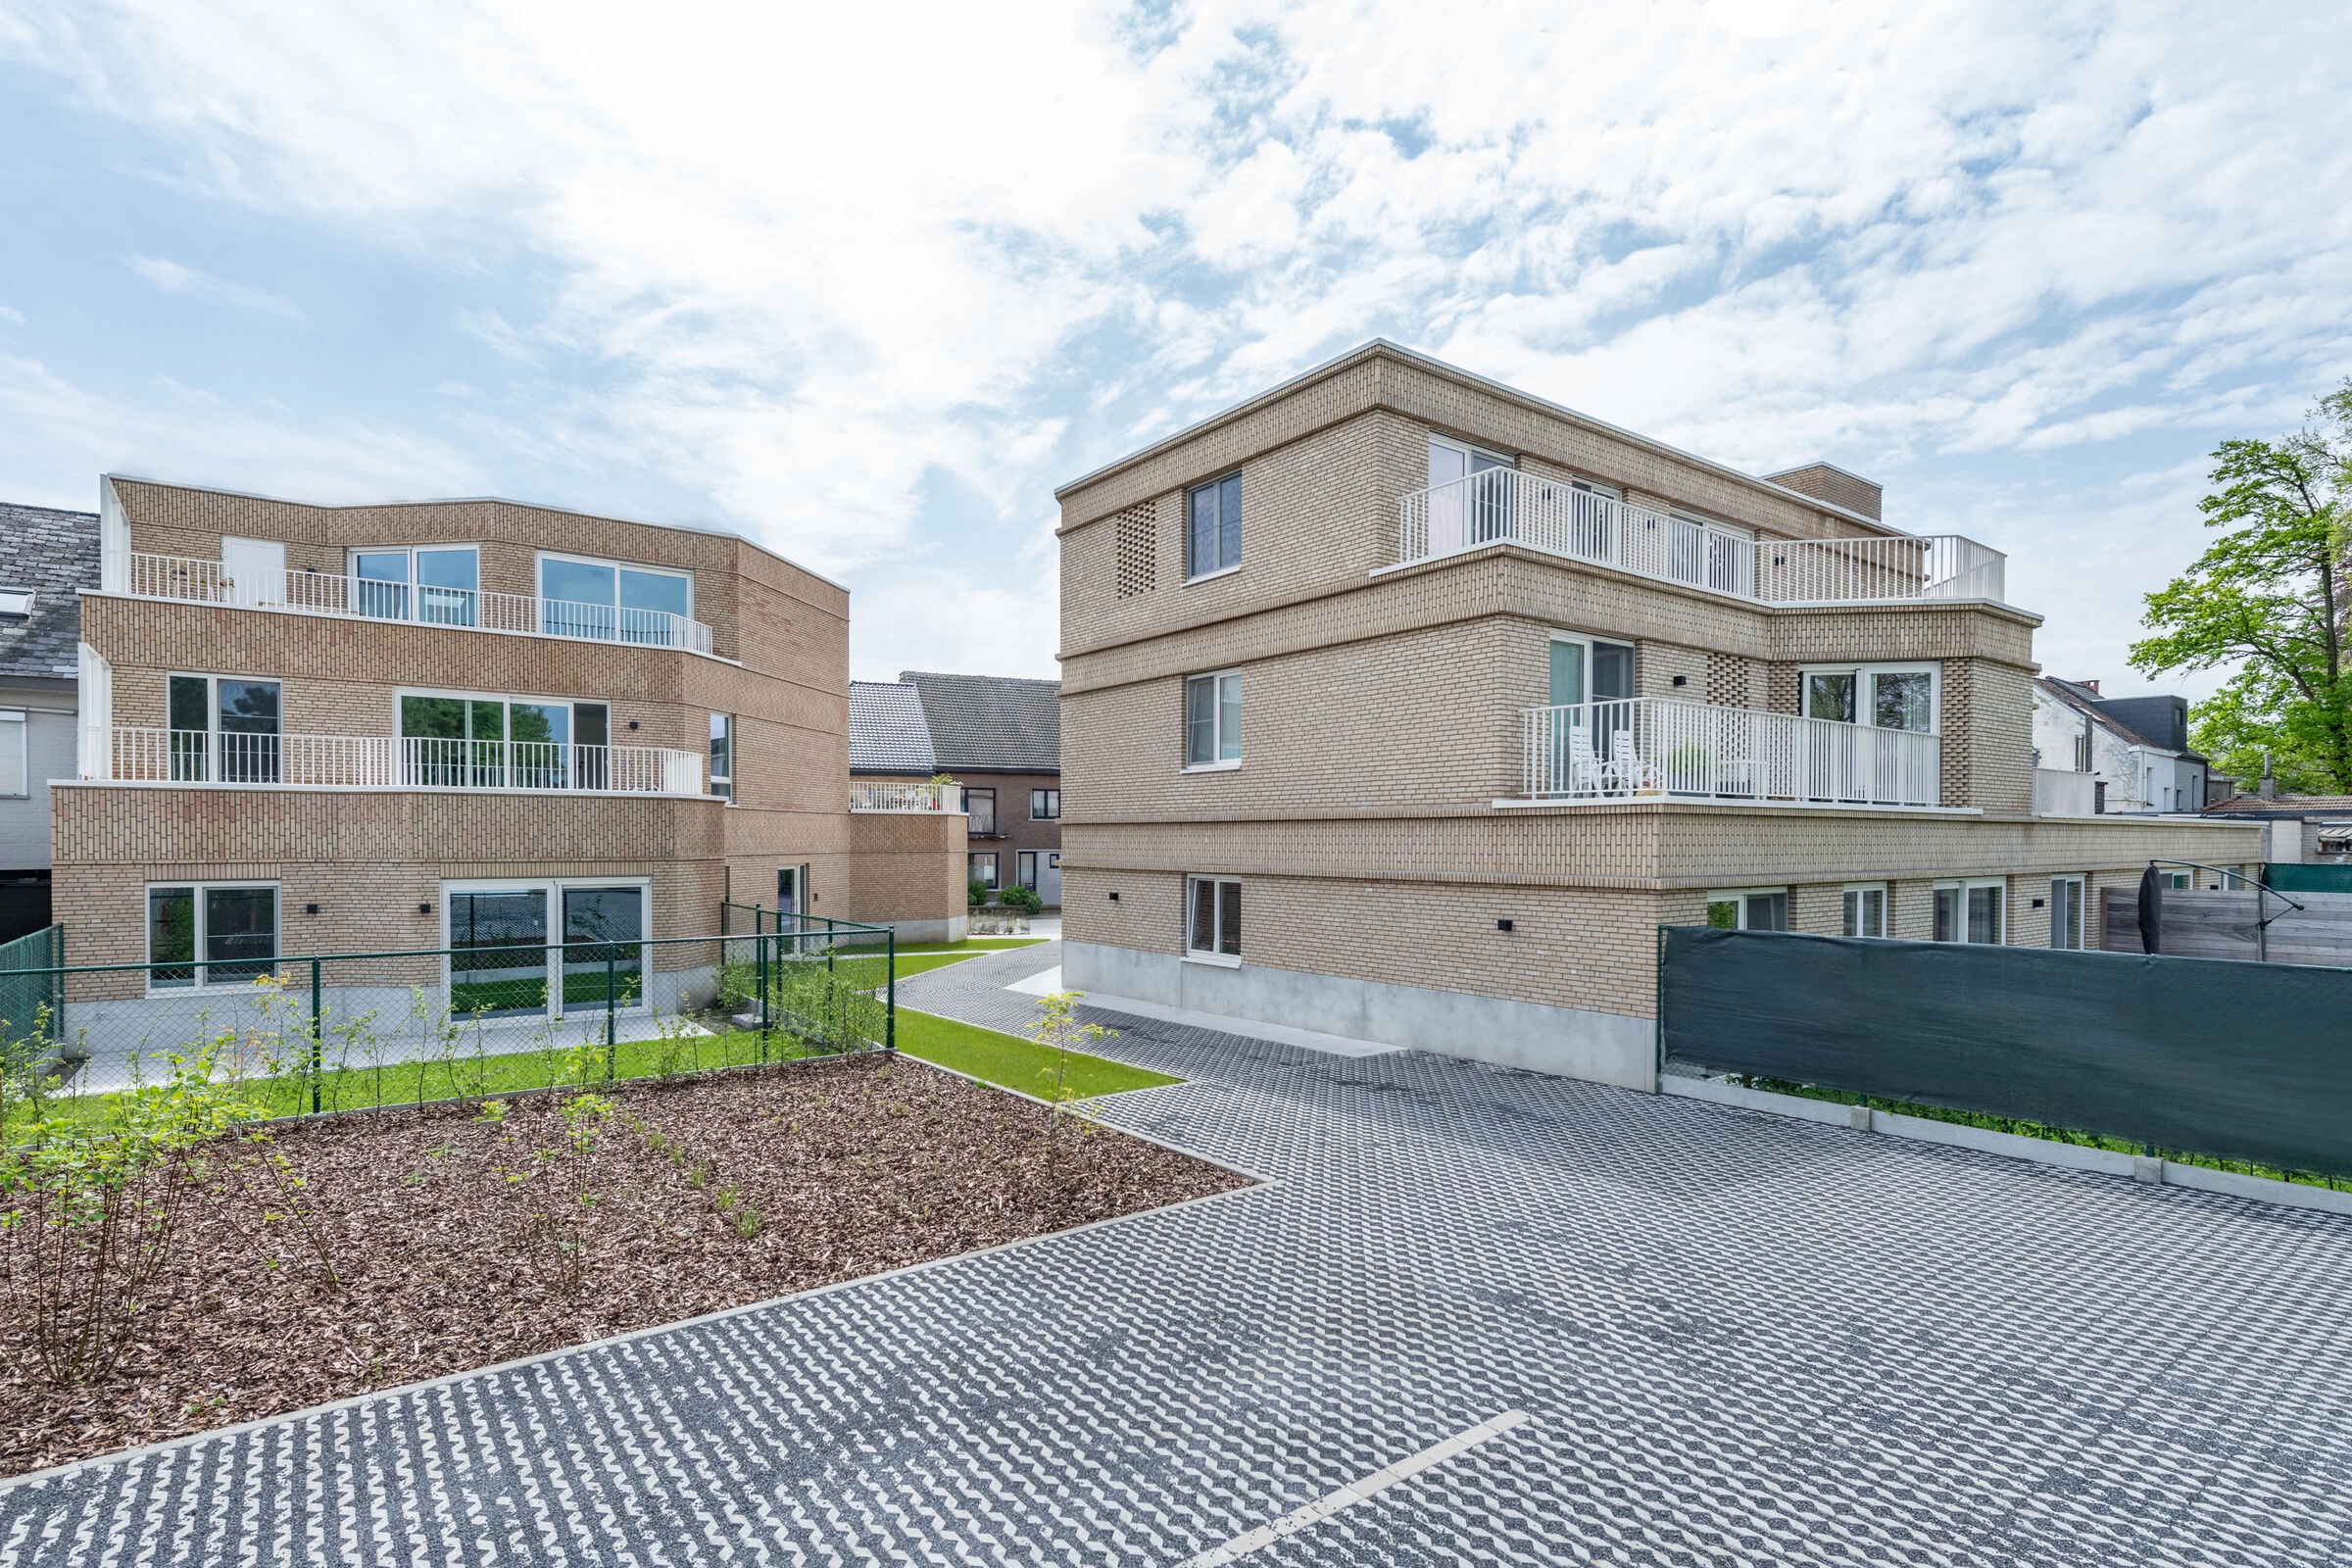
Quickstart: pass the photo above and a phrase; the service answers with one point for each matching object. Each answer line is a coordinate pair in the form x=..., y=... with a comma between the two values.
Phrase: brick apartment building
x=319, y=729
x=47, y=557
x=1405, y=705
x=999, y=738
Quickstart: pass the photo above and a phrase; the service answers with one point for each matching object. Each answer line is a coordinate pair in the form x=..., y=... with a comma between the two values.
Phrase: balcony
x=318, y=593
x=1508, y=505
x=1658, y=748
x=906, y=798
x=135, y=755
x=2058, y=792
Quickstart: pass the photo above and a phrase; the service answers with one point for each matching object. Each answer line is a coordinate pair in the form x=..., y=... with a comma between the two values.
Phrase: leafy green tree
x=2274, y=596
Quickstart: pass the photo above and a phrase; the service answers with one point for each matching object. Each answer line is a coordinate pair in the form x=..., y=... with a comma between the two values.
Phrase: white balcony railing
x=391, y=761
x=1664, y=746
x=906, y=798
x=1512, y=506
x=319, y=593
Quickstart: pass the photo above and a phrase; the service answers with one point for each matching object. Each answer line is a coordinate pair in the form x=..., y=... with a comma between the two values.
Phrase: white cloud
x=172, y=278
x=7, y=314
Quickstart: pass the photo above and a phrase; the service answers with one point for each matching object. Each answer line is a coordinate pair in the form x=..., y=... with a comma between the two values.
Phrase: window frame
x=1194, y=571
x=198, y=963
x=1849, y=902
x=1964, y=886
x=722, y=785
x=211, y=731
x=1931, y=668
x=415, y=590
x=1738, y=898
x=996, y=824
x=1220, y=762
x=1591, y=645
x=21, y=720
x=552, y=954
x=1024, y=869
x=1052, y=801
x=2080, y=882
x=972, y=859
x=1215, y=955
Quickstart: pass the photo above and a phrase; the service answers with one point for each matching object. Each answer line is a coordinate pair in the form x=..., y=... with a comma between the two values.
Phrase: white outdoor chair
x=1587, y=774
x=1633, y=774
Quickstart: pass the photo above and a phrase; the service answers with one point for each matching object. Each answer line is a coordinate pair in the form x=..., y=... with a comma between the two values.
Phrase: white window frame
x=1589, y=644
x=2081, y=912
x=198, y=962
x=1739, y=897
x=1471, y=452
x=618, y=565
x=1964, y=887
x=1221, y=763
x=211, y=731
x=721, y=785
x=13, y=754
x=16, y=604
x=1220, y=881
x=1863, y=706
x=352, y=552
x=554, y=887
x=508, y=699
x=1853, y=891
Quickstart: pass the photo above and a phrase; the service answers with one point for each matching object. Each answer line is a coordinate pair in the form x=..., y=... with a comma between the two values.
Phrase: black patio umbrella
x=2151, y=910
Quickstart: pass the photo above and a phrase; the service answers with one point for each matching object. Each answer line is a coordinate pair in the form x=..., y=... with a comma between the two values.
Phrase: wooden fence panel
x=2210, y=924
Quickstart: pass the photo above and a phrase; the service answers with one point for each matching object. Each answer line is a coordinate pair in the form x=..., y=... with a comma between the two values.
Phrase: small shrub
x=975, y=893
x=1026, y=899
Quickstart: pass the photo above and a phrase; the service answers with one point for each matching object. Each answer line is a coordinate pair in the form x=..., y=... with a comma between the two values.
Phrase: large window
x=456, y=739
x=210, y=934
x=980, y=813
x=504, y=959
x=1214, y=541
x=1045, y=805
x=1972, y=911
x=610, y=602
x=1212, y=721
x=224, y=728
x=435, y=583
x=984, y=867
x=1866, y=909
x=1886, y=696
x=1213, y=926
x=722, y=756
x=2066, y=911
x=1748, y=909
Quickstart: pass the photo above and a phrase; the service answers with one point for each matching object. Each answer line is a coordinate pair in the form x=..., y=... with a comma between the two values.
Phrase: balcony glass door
x=612, y=603
x=380, y=583
x=435, y=584
x=1464, y=514
x=602, y=928
x=497, y=953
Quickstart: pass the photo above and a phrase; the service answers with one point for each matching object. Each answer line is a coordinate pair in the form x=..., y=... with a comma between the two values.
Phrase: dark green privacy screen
x=2245, y=1060
x=2331, y=878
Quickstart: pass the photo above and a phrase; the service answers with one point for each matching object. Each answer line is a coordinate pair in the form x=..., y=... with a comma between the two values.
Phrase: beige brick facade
x=369, y=857
x=1367, y=820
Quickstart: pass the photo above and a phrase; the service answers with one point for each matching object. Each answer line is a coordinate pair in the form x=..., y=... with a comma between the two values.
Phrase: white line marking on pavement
x=1354, y=1492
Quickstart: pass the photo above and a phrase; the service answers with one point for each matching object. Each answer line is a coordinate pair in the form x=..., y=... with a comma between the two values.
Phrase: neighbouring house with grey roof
x=2133, y=752
x=47, y=557
x=999, y=737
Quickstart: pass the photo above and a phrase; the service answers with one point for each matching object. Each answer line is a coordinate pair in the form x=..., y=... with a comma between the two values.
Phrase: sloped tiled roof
x=990, y=723
x=53, y=553
x=2085, y=701
x=887, y=734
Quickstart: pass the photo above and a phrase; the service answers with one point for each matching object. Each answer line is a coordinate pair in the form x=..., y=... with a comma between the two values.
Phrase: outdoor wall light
x=1502, y=925
x=2038, y=903
x=424, y=909
x=1682, y=680
x=1115, y=898
x=632, y=723
x=309, y=909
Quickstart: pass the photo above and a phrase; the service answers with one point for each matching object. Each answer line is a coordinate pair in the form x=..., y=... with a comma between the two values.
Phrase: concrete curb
x=2015, y=1146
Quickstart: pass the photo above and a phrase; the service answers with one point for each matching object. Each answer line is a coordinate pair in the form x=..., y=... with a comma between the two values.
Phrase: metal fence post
x=611, y=957
x=890, y=1007
x=315, y=1023
x=760, y=973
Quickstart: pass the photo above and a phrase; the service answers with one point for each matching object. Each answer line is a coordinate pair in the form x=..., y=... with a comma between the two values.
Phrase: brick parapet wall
x=908, y=865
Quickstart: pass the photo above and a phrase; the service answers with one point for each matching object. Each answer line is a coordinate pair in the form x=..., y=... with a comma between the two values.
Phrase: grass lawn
x=1014, y=1062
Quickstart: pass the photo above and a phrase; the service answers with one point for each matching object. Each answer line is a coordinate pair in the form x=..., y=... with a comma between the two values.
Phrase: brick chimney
x=2268, y=789
x=2090, y=686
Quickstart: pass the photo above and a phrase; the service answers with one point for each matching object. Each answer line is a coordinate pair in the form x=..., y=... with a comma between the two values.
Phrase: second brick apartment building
x=465, y=724
x=1401, y=705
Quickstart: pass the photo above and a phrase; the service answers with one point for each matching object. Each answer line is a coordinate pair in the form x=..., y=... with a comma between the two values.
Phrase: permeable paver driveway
x=1665, y=1333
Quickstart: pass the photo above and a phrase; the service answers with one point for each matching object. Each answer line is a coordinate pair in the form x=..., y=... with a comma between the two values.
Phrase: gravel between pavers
x=427, y=1222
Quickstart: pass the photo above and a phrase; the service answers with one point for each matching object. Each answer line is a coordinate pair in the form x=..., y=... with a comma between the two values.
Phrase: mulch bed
x=456, y=1242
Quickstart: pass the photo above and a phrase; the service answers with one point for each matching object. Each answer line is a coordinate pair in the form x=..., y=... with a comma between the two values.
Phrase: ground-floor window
x=516, y=947
x=1972, y=911
x=1213, y=926
x=983, y=868
x=1748, y=909
x=1025, y=868
x=214, y=934
x=2066, y=911
x=1866, y=909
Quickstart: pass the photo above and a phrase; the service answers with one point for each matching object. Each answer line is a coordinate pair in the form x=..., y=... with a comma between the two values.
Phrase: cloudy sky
x=866, y=283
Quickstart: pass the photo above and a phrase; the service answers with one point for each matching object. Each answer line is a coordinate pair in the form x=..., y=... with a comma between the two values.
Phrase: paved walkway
x=1731, y=1337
